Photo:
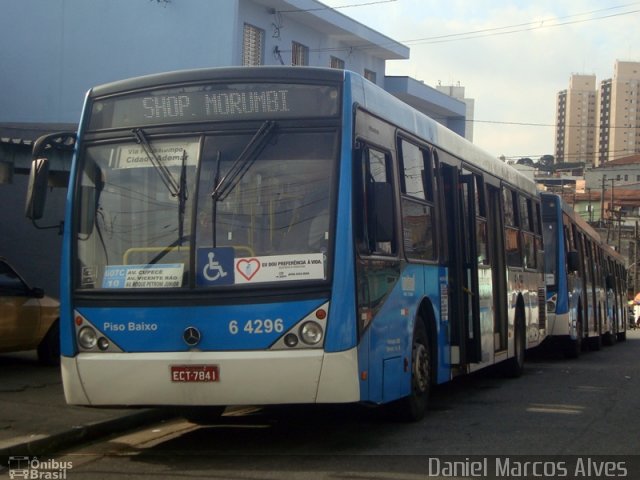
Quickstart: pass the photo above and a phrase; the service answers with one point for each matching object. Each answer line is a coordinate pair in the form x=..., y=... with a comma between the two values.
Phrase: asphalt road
x=586, y=407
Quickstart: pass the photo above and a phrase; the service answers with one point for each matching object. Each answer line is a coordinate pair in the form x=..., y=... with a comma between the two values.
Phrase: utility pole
x=602, y=204
x=615, y=215
x=635, y=260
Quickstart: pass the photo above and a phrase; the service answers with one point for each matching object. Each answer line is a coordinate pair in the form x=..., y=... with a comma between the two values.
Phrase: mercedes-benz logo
x=191, y=336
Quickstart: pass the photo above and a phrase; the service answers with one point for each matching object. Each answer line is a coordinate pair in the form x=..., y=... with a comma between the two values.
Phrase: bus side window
x=481, y=222
x=529, y=237
x=374, y=217
x=512, y=232
x=418, y=212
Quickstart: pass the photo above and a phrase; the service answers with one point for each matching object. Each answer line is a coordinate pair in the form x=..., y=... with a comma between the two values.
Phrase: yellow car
x=28, y=318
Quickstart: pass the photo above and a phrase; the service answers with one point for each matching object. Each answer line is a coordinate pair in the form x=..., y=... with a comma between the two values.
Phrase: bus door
x=498, y=268
x=464, y=298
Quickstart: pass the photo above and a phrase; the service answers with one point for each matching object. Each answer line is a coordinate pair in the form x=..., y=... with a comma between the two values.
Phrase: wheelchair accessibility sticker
x=219, y=266
x=215, y=266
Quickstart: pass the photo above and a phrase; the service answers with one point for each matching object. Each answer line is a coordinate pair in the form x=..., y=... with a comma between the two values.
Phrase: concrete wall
x=55, y=50
x=34, y=253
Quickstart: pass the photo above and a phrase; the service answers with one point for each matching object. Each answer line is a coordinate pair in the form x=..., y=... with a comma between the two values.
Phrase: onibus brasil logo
x=32, y=468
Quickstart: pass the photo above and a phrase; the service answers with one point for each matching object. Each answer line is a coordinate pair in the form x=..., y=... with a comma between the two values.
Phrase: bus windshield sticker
x=170, y=153
x=143, y=276
x=276, y=268
x=219, y=266
x=215, y=266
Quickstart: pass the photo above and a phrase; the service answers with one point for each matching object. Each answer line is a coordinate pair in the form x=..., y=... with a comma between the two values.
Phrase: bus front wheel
x=413, y=407
x=514, y=366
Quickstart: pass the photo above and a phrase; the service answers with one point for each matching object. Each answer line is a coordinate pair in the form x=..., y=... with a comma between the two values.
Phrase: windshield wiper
x=176, y=188
x=165, y=175
x=241, y=165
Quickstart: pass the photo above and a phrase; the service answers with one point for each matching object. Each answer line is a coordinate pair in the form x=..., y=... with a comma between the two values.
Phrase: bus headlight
x=311, y=333
x=103, y=344
x=290, y=340
x=307, y=333
x=551, y=303
x=87, y=338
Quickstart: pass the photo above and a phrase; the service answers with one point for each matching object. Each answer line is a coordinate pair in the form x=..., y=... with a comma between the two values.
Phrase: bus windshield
x=205, y=211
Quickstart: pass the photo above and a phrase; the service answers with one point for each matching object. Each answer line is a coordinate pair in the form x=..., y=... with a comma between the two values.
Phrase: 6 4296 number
x=257, y=327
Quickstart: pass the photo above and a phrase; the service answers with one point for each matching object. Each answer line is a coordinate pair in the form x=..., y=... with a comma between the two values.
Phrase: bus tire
x=49, y=347
x=514, y=366
x=414, y=406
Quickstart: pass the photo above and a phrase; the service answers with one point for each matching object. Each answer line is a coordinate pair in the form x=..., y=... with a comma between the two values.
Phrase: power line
x=554, y=125
x=527, y=24
x=488, y=32
x=523, y=27
x=299, y=10
x=576, y=156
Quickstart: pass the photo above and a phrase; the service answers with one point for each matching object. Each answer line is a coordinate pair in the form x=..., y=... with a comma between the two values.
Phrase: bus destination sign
x=207, y=103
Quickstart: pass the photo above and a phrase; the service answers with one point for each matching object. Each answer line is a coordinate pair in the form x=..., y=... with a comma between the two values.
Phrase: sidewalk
x=34, y=418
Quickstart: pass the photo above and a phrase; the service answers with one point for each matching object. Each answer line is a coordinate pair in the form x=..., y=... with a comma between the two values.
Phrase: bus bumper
x=245, y=378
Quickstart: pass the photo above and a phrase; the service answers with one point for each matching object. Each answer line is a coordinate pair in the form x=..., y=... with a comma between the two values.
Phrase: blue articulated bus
x=280, y=235
x=585, y=279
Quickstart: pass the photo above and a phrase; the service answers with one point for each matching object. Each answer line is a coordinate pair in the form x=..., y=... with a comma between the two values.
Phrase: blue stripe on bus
x=342, y=333
x=223, y=328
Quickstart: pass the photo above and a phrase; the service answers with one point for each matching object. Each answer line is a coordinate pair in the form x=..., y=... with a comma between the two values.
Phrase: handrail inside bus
x=131, y=251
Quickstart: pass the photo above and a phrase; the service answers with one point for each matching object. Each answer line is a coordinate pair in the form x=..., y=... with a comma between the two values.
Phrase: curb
x=50, y=444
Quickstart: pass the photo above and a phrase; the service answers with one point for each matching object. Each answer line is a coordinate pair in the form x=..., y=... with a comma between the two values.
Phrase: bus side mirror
x=573, y=261
x=37, y=188
x=39, y=175
x=383, y=201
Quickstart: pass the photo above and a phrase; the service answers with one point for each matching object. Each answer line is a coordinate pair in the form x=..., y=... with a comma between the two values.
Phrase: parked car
x=28, y=318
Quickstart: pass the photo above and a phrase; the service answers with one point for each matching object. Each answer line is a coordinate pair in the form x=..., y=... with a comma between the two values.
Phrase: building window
x=252, y=45
x=337, y=63
x=299, y=54
x=370, y=75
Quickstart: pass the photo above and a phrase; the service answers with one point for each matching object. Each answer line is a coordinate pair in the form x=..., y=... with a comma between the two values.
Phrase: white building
x=53, y=51
x=457, y=91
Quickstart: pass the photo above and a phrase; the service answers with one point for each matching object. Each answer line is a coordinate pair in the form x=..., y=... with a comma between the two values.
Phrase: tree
x=546, y=160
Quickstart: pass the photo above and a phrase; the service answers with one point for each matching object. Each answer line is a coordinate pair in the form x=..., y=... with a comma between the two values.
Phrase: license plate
x=195, y=373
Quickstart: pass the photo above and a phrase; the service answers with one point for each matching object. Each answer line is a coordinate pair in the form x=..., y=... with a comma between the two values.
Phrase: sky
x=512, y=57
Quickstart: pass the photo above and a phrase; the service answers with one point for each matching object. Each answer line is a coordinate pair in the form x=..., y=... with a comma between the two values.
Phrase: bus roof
x=203, y=75
x=385, y=105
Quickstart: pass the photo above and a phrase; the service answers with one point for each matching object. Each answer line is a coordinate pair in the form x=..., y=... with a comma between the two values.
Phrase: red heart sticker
x=248, y=268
